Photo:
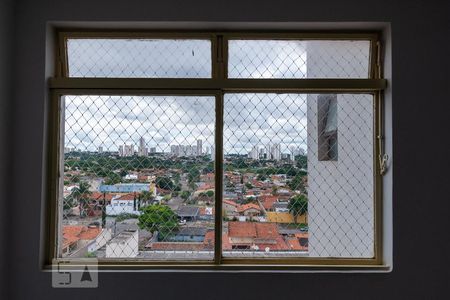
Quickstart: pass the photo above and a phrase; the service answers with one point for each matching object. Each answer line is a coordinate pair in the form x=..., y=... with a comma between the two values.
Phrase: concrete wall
x=420, y=31
x=340, y=192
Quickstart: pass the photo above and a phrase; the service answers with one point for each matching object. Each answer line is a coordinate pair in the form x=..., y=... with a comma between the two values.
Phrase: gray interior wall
x=420, y=30
x=6, y=39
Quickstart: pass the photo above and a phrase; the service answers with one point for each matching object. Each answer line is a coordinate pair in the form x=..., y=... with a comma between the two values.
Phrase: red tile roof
x=208, y=242
x=72, y=234
x=266, y=230
x=294, y=244
x=241, y=229
x=99, y=196
x=268, y=201
x=242, y=208
x=279, y=244
x=265, y=235
x=230, y=202
x=253, y=229
x=129, y=197
x=205, y=187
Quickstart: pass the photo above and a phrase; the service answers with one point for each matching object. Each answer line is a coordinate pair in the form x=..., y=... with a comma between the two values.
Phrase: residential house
x=249, y=210
x=206, y=213
x=188, y=213
x=255, y=236
x=76, y=237
x=229, y=207
x=124, y=245
x=128, y=203
x=189, y=234
x=267, y=202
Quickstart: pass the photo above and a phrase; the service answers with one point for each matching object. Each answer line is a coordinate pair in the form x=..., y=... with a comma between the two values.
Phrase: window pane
x=280, y=200
x=139, y=58
x=298, y=59
x=138, y=177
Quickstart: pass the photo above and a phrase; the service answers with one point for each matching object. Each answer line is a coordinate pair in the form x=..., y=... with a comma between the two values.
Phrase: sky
x=250, y=119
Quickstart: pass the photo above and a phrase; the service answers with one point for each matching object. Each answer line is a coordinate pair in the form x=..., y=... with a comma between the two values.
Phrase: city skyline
x=110, y=121
x=129, y=150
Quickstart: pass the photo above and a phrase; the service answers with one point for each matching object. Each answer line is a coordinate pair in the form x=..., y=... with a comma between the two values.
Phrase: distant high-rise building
x=276, y=152
x=261, y=154
x=213, y=153
x=153, y=150
x=199, y=147
x=269, y=151
x=175, y=150
x=292, y=154
x=121, y=153
x=187, y=150
x=100, y=149
x=142, y=150
x=127, y=150
x=254, y=153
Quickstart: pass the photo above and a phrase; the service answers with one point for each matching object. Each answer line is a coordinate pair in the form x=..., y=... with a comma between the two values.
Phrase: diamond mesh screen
x=280, y=199
x=138, y=177
x=298, y=59
x=136, y=58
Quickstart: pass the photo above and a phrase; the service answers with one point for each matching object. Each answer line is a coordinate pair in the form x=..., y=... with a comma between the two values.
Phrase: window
x=216, y=149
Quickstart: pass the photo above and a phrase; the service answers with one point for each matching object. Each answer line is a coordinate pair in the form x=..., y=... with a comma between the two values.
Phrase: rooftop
x=188, y=211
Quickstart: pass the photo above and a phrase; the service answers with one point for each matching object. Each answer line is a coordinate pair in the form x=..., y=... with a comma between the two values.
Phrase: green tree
x=164, y=183
x=123, y=173
x=69, y=202
x=158, y=218
x=185, y=195
x=193, y=176
x=146, y=196
x=248, y=185
x=302, y=161
x=210, y=193
x=82, y=195
x=298, y=205
x=297, y=183
x=112, y=178
x=261, y=177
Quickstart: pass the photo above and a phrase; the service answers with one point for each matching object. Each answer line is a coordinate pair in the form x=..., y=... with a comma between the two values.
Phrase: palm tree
x=298, y=205
x=146, y=196
x=81, y=194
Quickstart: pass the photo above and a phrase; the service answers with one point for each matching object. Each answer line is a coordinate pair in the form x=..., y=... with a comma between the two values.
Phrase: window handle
x=383, y=163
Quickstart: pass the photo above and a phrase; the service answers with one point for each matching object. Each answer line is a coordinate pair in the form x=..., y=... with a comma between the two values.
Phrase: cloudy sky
x=250, y=119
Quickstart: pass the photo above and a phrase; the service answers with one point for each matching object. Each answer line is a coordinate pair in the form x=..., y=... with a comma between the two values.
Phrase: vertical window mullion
x=218, y=179
x=220, y=62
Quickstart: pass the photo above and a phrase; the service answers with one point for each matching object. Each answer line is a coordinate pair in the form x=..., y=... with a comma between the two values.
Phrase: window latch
x=383, y=163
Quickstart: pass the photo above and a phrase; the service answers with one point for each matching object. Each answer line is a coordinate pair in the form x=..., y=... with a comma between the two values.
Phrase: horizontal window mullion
x=304, y=85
